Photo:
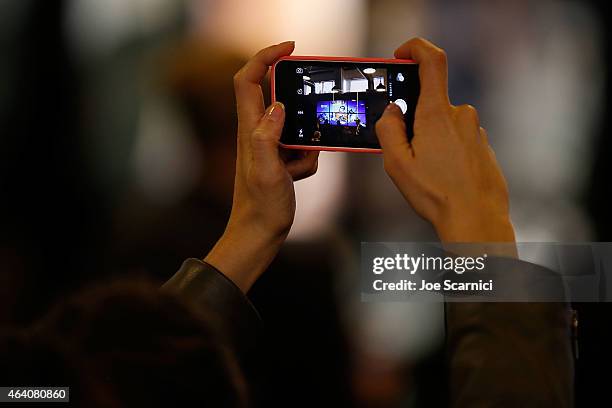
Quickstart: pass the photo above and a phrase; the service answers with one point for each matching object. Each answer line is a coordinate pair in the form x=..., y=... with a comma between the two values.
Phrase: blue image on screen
x=323, y=106
x=351, y=106
x=353, y=119
x=339, y=118
x=338, y=106
x=355, y=106
x=341, y=113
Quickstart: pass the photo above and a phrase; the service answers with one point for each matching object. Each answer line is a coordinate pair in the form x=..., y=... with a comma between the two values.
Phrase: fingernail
x=276, y=111
x=287, y=42
x=392, y=106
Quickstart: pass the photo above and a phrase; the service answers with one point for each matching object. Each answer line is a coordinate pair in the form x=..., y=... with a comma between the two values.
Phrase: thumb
x=391, y=133
x=265, y=137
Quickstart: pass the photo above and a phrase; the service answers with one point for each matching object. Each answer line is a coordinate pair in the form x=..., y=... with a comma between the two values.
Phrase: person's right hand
x=448, y=173
x=264, y=198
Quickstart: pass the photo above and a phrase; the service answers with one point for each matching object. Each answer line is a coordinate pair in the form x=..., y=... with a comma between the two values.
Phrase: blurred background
x=117, y=153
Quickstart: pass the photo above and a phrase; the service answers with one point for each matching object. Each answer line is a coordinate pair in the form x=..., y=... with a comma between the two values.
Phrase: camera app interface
x=337, y=104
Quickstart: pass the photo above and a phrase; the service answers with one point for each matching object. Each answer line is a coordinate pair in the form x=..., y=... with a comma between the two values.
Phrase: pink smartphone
x=333, y=103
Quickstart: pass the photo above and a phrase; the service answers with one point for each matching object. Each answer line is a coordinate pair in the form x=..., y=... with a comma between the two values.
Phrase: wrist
x=491, y=235
x=482, y=226
x=248, y=219
x=244, y=252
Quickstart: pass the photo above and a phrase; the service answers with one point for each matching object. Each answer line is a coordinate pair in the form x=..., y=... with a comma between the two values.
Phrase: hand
x=448, y=173
x=264, y=199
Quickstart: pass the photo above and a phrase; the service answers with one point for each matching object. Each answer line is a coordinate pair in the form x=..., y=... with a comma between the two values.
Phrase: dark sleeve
x=510, y=354
x=212, y=292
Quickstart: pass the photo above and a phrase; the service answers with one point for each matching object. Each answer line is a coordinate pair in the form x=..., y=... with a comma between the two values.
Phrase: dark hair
x=126, y=344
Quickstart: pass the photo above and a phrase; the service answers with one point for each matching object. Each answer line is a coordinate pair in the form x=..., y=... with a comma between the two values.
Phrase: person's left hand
x=264, y=199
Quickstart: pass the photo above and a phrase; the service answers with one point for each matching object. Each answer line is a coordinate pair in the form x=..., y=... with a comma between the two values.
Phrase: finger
x=484, y=136
x=305, y=166
x=391, y=133
x=492, y=153
x=264, y=138
x=468, y=120
x=249, y=97
x=433, y=70
x=288, y=155
x=467, y=114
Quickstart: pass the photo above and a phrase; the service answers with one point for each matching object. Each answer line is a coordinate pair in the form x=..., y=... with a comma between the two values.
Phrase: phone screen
x=336, y=104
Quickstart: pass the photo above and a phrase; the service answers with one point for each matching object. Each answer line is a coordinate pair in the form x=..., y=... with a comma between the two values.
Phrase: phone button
x=402, y=104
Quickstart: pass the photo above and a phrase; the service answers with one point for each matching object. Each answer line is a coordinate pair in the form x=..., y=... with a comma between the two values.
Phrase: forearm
x=518, y=353
x=244, y=252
